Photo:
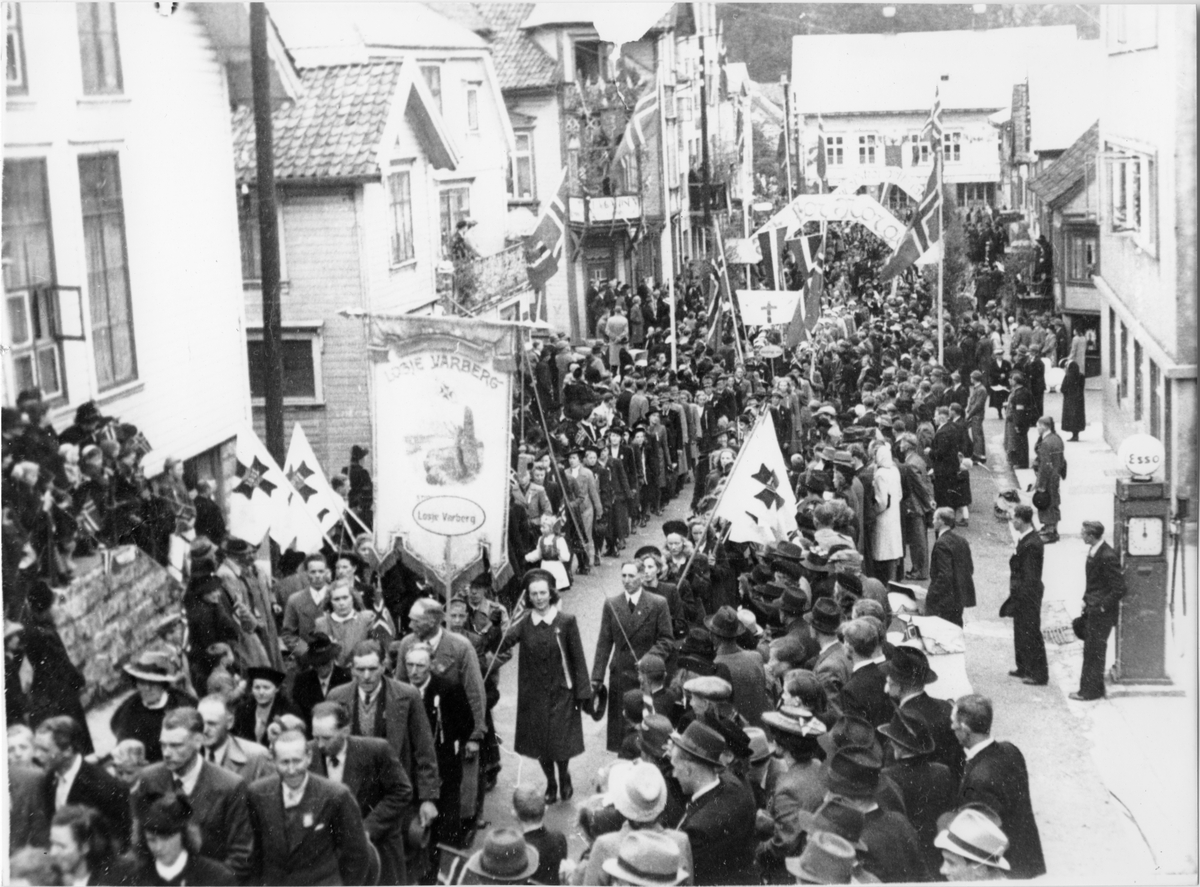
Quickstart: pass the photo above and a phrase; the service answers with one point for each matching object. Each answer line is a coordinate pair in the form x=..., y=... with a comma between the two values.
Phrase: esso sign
x=1142, y=454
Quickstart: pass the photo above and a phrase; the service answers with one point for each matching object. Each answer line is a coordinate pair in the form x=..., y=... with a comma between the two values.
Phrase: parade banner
x=442, y=392
x=912, y=184
x=767, y=307
x=860, y=208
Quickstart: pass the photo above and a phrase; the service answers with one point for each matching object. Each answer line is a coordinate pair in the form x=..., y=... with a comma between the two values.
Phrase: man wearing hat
x=319, y=673
x=795, y=732
x=504, y=858
x=217, y=796
x=837, y=817
x=719, y=819
x=972, y=848
x=140, y=716
x=632, y=624
x=1103, y=590
x=827, y=859
x=252, y=604
x=647, y=860
x=893, y=850
x=832, y=666
x=928, y=787
x=639, y=793
x=747, y=675
x=906, y=673
x=654, y=735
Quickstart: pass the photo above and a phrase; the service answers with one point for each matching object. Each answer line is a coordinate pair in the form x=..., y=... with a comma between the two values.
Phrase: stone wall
x=119, y=604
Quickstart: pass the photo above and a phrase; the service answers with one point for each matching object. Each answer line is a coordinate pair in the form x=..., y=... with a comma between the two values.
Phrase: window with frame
x=591, y=60
x=402, y=248
x=99, y=53
x=107, y=270
x=249, y=233
x=14, y=58
x=302, y=383
x=951, y=146
x=1124, y=360
x=454, y=205
x=473, y=107
x=520, y=169
x=433, y=79
x=1130, y=195
x=36, y=353
x=920, y=149
x=1082, y=255
x=1137, y=381
x=1155, y=401
x=866, y=150
x=834, y=151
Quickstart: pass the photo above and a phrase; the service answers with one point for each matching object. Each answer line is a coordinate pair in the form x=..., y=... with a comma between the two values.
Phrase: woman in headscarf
x=887, y=536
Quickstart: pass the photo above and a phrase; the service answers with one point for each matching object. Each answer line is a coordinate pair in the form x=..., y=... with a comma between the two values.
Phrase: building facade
x=120, y=225
x=1147, y=232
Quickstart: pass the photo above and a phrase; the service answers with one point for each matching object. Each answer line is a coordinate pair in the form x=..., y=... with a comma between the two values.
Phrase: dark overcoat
x=997, y=777
x=1074, y=413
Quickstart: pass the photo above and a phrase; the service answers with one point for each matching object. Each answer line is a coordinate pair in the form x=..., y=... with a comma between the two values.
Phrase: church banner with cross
x=767, y=307
x=321, y=504
x=260, y=498
x=758, y=501
x=442, y=408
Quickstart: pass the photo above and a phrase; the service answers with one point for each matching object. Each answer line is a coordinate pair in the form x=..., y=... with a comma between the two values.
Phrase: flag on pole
x=310, y=487
x=805, y=249
x=767, y=307
x=261, y=499
x=544, y=247
x=643, y=124
x=923, y=232
x=933, y=126
x=821, y=151
x=769, y=246
x=758, y=501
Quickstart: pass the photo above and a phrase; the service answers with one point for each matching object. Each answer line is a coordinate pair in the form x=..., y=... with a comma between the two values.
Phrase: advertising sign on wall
x=442, y=392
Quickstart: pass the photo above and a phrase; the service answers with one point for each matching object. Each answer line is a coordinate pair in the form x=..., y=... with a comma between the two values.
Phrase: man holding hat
x=639, y=793
x=972, y=848
x=719, y=819
x=906, y=673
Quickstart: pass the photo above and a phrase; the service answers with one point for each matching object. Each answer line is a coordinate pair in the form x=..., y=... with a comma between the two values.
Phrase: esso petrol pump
x=1141, y=513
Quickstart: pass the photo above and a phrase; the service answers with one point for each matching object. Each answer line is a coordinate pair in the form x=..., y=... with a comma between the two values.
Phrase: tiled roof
x=332, y=131
x=1061, y=175
x=520, y=62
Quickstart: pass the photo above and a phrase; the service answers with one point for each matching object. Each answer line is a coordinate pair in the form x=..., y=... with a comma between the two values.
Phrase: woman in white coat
x=887, y=536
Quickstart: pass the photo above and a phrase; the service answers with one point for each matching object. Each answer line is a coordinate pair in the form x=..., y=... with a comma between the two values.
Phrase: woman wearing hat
x=265, y=702
x=208, y=623
x=169, y=846
x=140, y=716
x=57, y=683
x=552, y=683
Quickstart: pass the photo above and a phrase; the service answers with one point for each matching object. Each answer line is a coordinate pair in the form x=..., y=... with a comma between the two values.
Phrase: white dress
x=888, y=538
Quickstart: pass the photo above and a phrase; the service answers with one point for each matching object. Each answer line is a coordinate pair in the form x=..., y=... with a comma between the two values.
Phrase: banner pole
x=941, y=263
x=674, y=325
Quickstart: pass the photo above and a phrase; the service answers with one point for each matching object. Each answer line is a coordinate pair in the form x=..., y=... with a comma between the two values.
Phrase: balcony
x=718, y=197
x=484, y=281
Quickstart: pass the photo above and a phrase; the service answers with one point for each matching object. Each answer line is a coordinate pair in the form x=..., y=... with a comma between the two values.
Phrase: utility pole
x=272, y=317
x=787, y=132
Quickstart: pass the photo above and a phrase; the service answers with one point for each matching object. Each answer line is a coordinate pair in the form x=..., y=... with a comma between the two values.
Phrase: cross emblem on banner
x=770, y=481
x=298, y=477
x=769, y=306
x=253, y=478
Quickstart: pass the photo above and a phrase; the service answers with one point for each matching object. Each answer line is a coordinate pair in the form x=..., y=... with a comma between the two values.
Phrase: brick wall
x=108, y=618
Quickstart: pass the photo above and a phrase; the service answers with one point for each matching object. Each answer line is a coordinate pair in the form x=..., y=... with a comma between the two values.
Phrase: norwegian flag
x=88, y=518
x=720, y=276
x=544, y=247
x=821, y=151
x=643, y=124
x=925, y=230
x=139, y=444
x=933, y=126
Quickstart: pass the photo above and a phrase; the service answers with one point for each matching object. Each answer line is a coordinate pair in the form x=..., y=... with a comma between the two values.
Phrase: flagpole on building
x=941, y=261
x=674, y=328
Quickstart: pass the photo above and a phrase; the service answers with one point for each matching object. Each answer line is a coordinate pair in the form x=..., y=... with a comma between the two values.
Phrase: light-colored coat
x=887, y=537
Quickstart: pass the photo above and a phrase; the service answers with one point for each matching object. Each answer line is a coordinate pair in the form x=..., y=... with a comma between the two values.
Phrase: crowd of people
x=766, y=729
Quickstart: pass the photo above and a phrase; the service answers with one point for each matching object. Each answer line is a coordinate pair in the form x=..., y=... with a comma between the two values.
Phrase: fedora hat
x=653, y=734
x=504, y=857
x=698, y=643
x=827, y=859
x=910, y=732
x=974, y=836
x=154, y=666
x=703, y=742
x=816, y=561
x=725, y=623
x=265, y=673
x=321, y=650
x=234, y=545
x=709, y=687
x=760, y=746
x=785, y=550
x=825, y=615
x=854, y=771
x=647, y=859
x=908, y=665
x=750, y=621
x=838, y=817
x=637, y=789
x=794, y=602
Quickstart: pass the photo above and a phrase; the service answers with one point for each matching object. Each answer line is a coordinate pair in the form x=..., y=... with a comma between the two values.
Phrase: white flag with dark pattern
x=758, y=500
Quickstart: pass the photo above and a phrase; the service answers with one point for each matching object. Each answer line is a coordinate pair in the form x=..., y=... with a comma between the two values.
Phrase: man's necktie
x=178, y=785
x=333, y=762
x=210, y=756
x=632, y=606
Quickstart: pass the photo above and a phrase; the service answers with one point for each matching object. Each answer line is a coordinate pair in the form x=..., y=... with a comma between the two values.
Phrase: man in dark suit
x=391, y=710
x=453, y=724
x=529, y=806
x=832, y=665
x=239, y=756
x=996, y=776
x=218, y=797
x=927, y=786
x=69, y=779
x=907, y=673
x=319, y=673
x=308, y=830
x=719, y=817
x=633, y=624
x=1101, y=603
x=372, y=772
x=1024, y=602
x=864, y=694
x=951, y=571
x=210, y=520
x=28, y=824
